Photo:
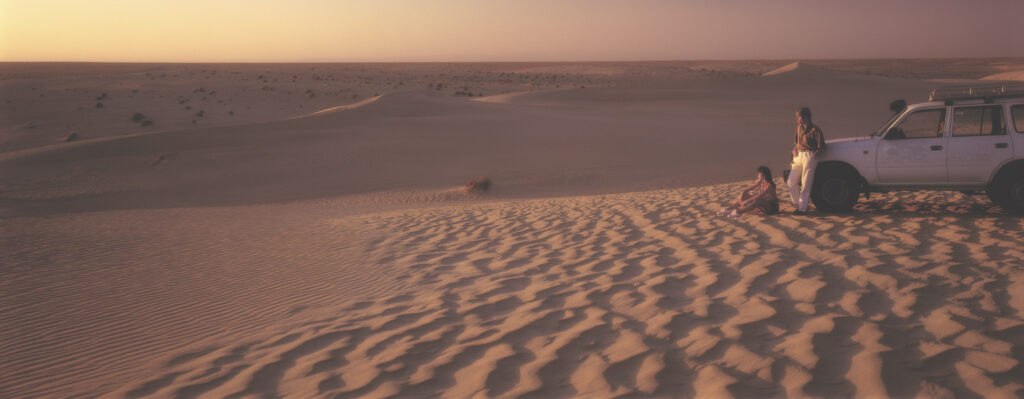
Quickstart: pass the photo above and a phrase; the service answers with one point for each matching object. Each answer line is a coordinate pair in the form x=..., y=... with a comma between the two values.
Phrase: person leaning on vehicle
x=806, y=144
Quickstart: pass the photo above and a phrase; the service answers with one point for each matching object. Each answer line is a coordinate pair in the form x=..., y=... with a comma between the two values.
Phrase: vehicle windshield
x=886, y=125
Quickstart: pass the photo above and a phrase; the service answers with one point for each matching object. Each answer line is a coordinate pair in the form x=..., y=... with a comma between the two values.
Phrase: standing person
x=806, y=144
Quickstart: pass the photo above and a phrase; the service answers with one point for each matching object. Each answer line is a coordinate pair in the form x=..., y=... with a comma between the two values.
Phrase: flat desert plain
x=300, y=230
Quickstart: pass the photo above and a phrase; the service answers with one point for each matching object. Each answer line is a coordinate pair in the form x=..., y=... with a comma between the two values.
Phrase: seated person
x=758, y=198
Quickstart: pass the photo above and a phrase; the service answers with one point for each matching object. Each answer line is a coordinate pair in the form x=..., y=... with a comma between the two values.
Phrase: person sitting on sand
x=758, y=198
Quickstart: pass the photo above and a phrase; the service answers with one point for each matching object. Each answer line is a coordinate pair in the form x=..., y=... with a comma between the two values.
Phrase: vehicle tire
x=1007, y=191
x=995, y=195
x=835, y=190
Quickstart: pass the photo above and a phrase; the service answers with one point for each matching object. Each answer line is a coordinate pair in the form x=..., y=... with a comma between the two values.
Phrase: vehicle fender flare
x=844, y=167
x=1006, y=167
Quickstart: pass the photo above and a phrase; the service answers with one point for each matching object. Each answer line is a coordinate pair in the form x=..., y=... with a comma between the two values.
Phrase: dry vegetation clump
x=71, y=137
x=478, y=185
x=141, y=119
x=158, y=160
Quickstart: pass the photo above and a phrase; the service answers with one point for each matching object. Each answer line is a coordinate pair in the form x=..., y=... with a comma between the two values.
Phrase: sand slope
x=1012, y=75
x=555, y=142
x=644, y=293
x=331, y=254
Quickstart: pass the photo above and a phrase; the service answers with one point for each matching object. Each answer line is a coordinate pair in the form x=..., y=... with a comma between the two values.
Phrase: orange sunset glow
x=532, y=30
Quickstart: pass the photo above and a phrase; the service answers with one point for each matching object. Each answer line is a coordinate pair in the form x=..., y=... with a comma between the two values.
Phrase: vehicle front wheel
x=1008, y=191
x=835, y=190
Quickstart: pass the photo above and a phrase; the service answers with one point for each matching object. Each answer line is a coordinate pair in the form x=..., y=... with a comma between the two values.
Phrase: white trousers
x=801, y=177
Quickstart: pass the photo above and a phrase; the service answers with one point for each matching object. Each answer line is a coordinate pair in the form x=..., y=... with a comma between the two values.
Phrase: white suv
x=964, y=139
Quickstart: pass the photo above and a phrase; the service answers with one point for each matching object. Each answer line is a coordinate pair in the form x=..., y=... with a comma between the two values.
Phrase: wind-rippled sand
x=331, y=255
x=635, y=294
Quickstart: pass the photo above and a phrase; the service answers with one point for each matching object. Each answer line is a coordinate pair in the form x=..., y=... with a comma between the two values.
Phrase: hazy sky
x=504, y=30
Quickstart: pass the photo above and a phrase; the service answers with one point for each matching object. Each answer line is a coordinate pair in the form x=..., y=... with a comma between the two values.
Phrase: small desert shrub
x=71, y=137
x=478, y=185
x=200, y=113
x=158, y=160
x=99, y=105
x=147, y=122
x=138, y=117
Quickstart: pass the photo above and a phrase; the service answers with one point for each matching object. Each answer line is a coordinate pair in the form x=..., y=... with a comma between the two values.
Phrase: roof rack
x=976, y=92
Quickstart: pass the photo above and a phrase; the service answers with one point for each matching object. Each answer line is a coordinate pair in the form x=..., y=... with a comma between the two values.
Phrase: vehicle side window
x=1018, y=117
x=920, y=124
x=978, y=121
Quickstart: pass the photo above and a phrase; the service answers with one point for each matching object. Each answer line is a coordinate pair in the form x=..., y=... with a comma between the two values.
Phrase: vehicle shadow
x=927, y=207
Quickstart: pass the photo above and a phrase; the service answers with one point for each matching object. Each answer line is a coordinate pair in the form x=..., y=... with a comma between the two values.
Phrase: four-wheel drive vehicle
x=963, y=139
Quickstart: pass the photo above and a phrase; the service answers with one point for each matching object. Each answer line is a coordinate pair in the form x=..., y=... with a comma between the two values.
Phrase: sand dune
x=644, y=293
x=341, y=107
x=1012, y=75
x=326, y=251
x=551, y=142
x=786, y=69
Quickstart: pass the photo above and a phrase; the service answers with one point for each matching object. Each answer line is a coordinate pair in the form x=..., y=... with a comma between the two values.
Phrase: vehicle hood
x=846, y=145
x=847, y=140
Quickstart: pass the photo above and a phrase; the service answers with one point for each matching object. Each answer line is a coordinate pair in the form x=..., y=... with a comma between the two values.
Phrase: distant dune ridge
x=331, y=250
x=1011, y=75
x=788, y=68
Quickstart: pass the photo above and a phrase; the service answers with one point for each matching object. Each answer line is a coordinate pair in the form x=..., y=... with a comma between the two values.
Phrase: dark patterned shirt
x=810, y=139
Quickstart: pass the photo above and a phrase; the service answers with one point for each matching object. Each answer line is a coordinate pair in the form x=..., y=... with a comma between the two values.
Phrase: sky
x=504, y=30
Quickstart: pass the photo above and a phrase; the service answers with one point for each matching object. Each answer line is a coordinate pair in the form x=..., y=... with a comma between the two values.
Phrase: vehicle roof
x=1006, y=100
x=926, y=105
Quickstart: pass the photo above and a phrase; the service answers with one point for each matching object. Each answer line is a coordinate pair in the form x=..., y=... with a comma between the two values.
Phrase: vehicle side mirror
x=895, y=134
x=898, y=105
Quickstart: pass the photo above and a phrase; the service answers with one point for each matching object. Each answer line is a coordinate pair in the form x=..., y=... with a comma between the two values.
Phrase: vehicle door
x=913, y=149
x=1017, y=121
x=978, y=143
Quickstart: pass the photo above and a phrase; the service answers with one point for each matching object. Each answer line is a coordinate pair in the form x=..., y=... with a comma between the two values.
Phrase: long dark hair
x=767, y=172
x=806, y=113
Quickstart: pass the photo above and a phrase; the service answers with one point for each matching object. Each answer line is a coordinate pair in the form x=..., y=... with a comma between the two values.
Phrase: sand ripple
x=650, y=294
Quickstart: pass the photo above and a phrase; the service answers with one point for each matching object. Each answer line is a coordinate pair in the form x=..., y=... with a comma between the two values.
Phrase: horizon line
x=796, y=59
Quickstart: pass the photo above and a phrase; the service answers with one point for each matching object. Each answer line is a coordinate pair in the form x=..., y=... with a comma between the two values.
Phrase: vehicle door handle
x=936, y=148
x=1000, y=145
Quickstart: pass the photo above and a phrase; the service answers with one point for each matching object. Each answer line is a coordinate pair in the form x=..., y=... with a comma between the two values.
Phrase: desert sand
x=307, y=236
